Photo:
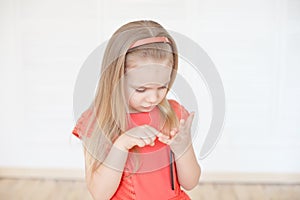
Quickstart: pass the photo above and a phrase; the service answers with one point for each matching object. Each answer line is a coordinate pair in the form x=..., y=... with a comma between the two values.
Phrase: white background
x=255, y=46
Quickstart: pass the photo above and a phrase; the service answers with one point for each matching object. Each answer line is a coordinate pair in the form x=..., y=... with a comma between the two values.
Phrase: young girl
x=137, y=144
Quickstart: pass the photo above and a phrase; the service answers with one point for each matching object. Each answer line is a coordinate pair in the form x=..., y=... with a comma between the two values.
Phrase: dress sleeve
x=180, y=111
x=81, y=126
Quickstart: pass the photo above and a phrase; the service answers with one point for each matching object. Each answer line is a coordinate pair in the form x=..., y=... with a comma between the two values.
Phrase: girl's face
x=146, y=83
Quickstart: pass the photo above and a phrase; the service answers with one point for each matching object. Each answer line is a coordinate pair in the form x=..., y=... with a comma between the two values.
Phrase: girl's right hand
x=138, y=136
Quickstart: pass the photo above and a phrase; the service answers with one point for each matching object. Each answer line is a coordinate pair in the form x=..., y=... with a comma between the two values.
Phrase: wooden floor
x=31, y=189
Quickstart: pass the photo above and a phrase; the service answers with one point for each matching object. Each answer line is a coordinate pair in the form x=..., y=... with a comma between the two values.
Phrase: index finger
x=156, y=132
x=153, y=131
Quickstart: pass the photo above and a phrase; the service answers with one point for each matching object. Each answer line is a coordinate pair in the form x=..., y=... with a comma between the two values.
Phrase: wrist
x=180, y=148
x=119, y=144
x=116, y=158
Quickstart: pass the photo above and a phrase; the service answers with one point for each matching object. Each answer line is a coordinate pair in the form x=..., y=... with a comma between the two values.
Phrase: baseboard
x=42, y=173
x=206, y=177
x=250, y=178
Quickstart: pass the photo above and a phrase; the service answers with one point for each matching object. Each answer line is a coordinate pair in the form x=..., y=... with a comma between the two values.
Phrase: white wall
x=255, y=46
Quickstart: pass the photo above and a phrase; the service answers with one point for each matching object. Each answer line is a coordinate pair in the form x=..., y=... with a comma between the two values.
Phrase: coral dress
x=147, y=176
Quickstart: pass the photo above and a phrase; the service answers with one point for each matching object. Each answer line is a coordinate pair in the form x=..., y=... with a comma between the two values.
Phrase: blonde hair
x=109, y=108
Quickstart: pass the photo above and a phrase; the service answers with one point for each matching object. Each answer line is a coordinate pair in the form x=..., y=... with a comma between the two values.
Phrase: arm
x=188, y=169
x=104, y=181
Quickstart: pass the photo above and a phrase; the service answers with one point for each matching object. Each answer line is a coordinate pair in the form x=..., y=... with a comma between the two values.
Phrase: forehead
x=148, y=72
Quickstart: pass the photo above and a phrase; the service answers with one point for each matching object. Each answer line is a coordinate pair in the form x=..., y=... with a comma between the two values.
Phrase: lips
x=148, y=107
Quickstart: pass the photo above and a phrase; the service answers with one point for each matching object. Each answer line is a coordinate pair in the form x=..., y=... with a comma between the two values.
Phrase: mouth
x=148, y=107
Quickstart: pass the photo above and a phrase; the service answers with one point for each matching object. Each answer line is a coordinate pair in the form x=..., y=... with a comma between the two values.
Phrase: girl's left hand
x=180, y=138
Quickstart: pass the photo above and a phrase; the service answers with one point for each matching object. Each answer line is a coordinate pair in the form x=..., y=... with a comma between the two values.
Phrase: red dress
x=151, y=180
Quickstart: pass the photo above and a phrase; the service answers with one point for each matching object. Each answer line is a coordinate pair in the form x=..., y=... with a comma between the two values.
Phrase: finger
x=152, y=144
x=147, y=134
x=164, y=140
x=181, y=125
x=151, y=131
x=189, y=120
x=173, y=133
x=147, y=140
x=161, y=135
x=156, y=132
x=181, y=122
x=187, y=123
x=140, y=143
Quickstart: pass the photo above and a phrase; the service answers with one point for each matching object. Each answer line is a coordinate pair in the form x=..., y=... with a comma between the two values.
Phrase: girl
x=137, y=144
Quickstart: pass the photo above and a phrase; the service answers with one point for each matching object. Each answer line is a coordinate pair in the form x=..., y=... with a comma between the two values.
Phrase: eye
x=163, y=87
x=140, y=90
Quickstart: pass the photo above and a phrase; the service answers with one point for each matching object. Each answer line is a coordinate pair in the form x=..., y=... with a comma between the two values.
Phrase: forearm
x=188, y=169
x=104, y=182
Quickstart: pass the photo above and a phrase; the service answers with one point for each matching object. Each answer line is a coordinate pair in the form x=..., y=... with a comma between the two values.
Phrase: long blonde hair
x=109, y=108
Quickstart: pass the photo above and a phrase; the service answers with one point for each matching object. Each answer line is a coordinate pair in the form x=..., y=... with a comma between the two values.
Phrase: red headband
x=149, y=41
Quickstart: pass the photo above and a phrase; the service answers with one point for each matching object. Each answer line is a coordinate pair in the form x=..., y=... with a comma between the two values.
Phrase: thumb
x=190, y=119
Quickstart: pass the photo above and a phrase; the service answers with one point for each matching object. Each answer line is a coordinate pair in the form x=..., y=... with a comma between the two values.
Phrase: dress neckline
x=143, y=113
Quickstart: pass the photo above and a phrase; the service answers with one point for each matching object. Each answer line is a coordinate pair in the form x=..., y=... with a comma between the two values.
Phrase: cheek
x=162, y=93
x=135, y=98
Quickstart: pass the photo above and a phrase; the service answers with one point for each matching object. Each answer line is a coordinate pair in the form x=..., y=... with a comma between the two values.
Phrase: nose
x=152, y=96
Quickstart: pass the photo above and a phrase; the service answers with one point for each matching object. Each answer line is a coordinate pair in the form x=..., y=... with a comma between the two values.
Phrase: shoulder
x=180, y=110
x=82, y=123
